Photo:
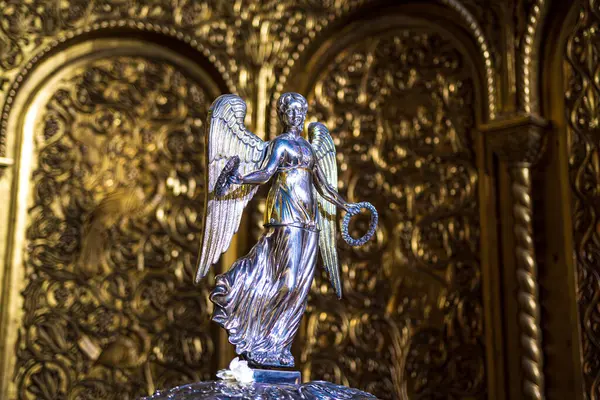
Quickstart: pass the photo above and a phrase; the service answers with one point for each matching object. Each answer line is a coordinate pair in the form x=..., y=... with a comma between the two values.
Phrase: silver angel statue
x=261, y=299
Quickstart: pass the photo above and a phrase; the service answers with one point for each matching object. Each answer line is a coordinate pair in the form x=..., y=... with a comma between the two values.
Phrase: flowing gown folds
x=261, y=299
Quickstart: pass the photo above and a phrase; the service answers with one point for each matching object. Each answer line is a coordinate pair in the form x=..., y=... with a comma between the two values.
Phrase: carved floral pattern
x=582, y=78
x=123, y=319
x=265, y=30
x=247, y=40
x=400, y=107
x=267, y=35
x=109, y=308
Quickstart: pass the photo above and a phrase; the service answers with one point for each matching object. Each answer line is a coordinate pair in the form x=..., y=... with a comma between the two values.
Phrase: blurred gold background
x=472, y=125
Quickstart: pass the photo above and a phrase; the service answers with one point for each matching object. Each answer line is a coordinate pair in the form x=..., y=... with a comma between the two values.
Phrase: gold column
x=5, y=162
x=518, y=140
x=527, y=272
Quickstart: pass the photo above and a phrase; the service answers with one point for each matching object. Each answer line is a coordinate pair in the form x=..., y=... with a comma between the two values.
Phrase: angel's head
x=291, y=109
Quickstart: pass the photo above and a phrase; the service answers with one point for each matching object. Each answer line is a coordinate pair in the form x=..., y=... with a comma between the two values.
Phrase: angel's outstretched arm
x=326, y=190
x=275, y=155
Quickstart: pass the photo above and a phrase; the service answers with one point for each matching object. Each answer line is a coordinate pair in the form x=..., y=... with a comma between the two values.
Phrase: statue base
x=220, y=390
x=276, y=376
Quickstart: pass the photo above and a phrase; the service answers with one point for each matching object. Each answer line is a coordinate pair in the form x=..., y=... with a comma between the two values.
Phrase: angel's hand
x=235, y=178
x=352, y=208
x=229, y=175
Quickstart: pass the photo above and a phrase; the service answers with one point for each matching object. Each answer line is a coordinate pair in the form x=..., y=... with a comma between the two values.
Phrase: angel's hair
x=287, y=98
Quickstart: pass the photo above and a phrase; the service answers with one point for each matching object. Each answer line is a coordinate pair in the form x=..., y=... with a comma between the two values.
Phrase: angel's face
x=294, y=115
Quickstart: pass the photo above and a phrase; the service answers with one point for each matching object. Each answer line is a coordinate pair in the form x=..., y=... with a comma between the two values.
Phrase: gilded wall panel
x=110, y=310
x=582, y=78
x=400, y=105
x=108, y=306
x=249, y=42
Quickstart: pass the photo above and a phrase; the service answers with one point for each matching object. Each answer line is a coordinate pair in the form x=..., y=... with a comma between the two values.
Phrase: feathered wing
x=226, y=137
x=324, y=148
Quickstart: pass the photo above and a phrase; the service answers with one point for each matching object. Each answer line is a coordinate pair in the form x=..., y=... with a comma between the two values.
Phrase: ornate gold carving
x=466, y=18
x=400, y=106
x=530, y=48
x=581, y=99
x=98, y=28
x=110, y=309
x=31, y=29
x=527, y=279
x=490, y=15
x=250, y=43
x=246, y=42
x=485, y=51
x=520, y=141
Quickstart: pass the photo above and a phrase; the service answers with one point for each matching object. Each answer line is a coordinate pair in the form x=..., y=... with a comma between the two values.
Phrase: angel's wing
x=226, y=137
x=324, y=148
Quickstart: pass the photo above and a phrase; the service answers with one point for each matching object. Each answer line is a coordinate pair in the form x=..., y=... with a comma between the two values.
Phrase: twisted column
x=528, y=293
x=518, y=140
x=5, y=163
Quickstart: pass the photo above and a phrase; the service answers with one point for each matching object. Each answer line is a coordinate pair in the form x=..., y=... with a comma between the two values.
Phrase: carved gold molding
x=404, y=142
x=79, y=152
x=466, y=20
x=485, y=52
x=246, y=43
x=519, y=141
x=255, y=47
x=581, y=94
x=530, y=57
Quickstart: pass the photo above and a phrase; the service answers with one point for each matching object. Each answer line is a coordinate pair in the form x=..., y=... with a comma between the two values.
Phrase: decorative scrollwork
x=266, y=34
x=527, y=279
x=582, y=78
x=530, y=55
x=401, y=114
x=519, y=140
x=433, y=239
x=110, y=307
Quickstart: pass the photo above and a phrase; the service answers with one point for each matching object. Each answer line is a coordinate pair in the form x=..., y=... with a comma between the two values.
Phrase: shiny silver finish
x=261, y=299
x=372, y=224
x=222, y=390
x=277, y=376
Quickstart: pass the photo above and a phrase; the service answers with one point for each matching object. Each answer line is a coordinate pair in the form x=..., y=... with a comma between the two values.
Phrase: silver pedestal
x=268, y=385
x=277, y=376
x=222, y=390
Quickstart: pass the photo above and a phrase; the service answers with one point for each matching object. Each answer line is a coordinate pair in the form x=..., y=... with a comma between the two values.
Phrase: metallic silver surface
x=277, y=376
x=261, y=299
x=224, y=180
x=222, y=390
x=372, y=224
x=325, y=155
